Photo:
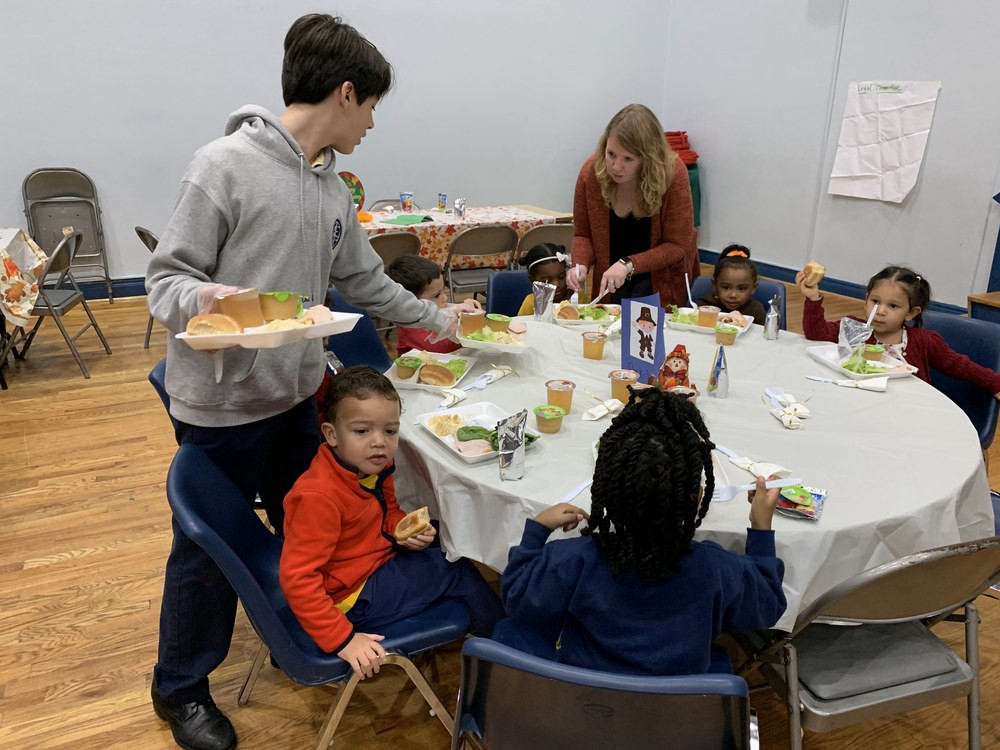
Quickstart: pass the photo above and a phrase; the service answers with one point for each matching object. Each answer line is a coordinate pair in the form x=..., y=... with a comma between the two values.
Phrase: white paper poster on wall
x=882, y=138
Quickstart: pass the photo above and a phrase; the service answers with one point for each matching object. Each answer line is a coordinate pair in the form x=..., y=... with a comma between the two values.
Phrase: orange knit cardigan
x=672, y=251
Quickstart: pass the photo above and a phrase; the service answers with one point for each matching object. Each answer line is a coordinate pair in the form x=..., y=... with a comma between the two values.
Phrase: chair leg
x=437, y=708
x=251, y=680
x=97, y=328
x=149, y=331
x=69, y=342
x=792, y=698
x=336, y=713
x=972, y=658
x=27, y=339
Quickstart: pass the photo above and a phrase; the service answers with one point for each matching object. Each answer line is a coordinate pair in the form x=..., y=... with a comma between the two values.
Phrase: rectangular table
x=436, y=235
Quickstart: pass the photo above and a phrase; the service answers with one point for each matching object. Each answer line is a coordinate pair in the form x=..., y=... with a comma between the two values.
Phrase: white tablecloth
x=903, y=468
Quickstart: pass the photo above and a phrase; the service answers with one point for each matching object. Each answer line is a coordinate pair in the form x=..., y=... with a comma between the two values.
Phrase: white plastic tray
x=254, y=339
x=484, y=414
x=413, y=382
x=827, y=354
x=512, y=348
x=560, y=321
x=706, y=329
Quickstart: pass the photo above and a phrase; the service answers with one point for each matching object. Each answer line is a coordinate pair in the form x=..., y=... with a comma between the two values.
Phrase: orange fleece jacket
x=337, y=533
x=672, y=251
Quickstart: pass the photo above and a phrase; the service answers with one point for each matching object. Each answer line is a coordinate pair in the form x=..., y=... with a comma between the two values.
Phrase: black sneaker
x=198, y=725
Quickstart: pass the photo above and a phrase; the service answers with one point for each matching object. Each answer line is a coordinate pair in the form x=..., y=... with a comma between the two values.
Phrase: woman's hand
x=613, y=279
x=563, y=514
x=809, y=292
x=762, y=504
x=575, y=277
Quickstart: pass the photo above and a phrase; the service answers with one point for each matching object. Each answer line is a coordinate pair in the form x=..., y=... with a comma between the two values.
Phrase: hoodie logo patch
x=338, y=230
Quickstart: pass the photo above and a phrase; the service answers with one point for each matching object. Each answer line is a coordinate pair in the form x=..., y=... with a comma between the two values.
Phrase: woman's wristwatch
x=627, y=262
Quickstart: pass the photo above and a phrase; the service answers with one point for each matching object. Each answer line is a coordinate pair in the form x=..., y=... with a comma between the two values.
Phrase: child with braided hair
x=635, y=594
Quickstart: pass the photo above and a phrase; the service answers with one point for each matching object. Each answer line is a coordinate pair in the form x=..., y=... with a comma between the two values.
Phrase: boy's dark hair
x=644, y=500
x=541, y=251
x=360, y=382
x=735, y=256
x=321, y=53
x=413, y=272
x=917, y=288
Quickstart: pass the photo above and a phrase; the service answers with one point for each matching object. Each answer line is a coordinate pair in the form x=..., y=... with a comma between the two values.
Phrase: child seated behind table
x=901, y=296
x=424, y=279
x=343, y=573
x=546, y=262
x=634, y=594
x=733, y=283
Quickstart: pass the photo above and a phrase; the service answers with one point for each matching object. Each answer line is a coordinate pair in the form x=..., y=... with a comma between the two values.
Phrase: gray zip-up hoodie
x=252, y=212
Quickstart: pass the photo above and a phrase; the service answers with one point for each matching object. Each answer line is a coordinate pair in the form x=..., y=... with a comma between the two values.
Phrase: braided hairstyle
x=647, y=497
x=917, y=288
x=735, y=256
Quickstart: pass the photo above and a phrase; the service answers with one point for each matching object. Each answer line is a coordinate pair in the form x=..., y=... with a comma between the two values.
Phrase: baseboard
x=834, y=286
x=132, y=286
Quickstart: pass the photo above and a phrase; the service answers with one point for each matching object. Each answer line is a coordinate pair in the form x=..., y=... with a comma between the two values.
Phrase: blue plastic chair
x=158, y=379
x=765, y=291
x=979, y=340
x=212, y=512
x=361, y=345
x=506, y=290
x=510, y=699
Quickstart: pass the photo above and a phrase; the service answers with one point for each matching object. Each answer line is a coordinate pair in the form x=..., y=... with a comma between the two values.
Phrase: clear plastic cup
x=243, y=307
x=620, y=381
x=471, y=322
x=593, y=344
x=560, y=393
x=708, y=316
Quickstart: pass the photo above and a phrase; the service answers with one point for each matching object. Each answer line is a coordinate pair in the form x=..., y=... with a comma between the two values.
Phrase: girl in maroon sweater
x=901, y=295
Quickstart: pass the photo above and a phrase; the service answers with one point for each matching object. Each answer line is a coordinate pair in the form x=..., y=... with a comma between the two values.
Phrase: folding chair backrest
x=361, y=345
x=979, y=340
x=919, y=586
x=392, y=245
x=148, y=238
x=57, y=197
x=61, y=259
x=557, y=234
x=493, y=239
x=514, y=700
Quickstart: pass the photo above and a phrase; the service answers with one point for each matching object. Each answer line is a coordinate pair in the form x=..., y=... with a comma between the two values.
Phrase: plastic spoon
x=728, y=492
x=687, y=283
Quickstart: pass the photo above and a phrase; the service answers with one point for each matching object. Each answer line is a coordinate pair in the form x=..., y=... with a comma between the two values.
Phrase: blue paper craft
x=642, y=336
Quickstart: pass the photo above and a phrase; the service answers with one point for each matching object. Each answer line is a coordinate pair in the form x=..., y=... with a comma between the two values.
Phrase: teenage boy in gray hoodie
x=262, y=207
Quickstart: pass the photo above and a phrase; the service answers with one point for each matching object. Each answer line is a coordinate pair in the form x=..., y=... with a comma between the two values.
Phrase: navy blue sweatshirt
x=565, y=591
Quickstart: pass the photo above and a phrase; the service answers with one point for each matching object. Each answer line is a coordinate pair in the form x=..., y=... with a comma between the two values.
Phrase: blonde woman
x=632, y=214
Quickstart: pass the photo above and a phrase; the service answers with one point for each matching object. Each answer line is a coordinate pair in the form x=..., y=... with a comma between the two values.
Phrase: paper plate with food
x=470, y=432
x=494, y=331
x=429, y=371
x=568, y=314
x=254, y=320
x=705, y=321
x=870, y=362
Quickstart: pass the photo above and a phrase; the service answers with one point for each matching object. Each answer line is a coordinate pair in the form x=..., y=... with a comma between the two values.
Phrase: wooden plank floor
x=84, y=533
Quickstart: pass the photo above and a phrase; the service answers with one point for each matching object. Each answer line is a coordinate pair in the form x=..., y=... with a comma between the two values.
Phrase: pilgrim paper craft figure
x=674, y=371
x=642, y=336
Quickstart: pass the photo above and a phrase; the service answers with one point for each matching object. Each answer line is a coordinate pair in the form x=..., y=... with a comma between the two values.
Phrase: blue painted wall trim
x=834, y=286
x=134, y=286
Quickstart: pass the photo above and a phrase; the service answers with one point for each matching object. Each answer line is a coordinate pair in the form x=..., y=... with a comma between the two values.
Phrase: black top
x=630, y=236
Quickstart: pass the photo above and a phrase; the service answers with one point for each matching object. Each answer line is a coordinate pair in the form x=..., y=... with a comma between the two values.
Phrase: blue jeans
x=199, y=606
x=410, y=582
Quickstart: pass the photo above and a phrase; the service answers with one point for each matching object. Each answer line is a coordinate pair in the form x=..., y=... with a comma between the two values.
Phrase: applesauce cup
x=708, y=316
x=620, y=381
x=471, y=322
x=593, y=344
x=726, y=334
x=549, y=418
x=497, y=322
x=560, y=393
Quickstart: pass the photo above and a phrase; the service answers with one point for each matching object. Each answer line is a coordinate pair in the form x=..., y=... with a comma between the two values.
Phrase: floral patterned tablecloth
x=21, y=263
x=436, y=235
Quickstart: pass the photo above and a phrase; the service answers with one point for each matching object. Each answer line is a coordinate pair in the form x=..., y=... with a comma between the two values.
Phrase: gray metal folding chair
x=385, y=203
x=393, y=245
x=58, y=197
x=55, y=301
x=498, y=239
x=557, y=234
x=865, y=648
x=150, y=240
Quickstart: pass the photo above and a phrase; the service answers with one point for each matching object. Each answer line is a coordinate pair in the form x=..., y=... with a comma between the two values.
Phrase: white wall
x=496, y=102
x=500, y=103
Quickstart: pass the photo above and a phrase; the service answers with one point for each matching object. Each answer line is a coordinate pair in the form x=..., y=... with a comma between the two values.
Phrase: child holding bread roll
x=352, y=561
x=900, y=296
x=635, y=593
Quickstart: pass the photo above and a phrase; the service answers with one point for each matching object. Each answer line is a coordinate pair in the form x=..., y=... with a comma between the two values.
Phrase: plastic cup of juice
x=593, y=344
x=560, y=393
x=620, y=381
x=243, y=307
x=549, y=418
x=472, y=322
x=708, y=315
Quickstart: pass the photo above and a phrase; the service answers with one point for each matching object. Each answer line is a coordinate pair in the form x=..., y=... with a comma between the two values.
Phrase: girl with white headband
x=546, y=262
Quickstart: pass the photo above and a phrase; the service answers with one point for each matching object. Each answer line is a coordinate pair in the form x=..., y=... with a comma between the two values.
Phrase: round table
x=903, y=469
